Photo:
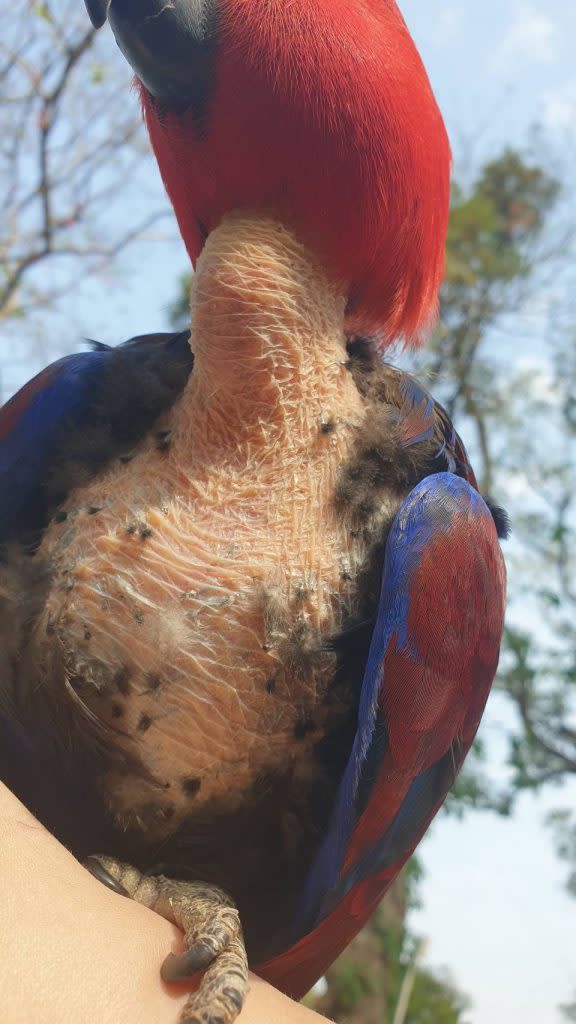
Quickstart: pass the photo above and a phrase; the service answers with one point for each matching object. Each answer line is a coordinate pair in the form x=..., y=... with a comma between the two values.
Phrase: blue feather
x=25, y=450
x=427, y=512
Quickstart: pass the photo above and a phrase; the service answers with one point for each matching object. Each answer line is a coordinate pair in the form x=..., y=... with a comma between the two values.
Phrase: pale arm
x=70, y=950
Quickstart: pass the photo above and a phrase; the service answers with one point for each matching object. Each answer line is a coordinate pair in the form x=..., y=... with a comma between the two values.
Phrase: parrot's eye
x=169, y=46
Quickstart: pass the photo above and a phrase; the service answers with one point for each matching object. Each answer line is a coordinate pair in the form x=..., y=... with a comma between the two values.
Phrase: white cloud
x=532, y=36
x=559, y=108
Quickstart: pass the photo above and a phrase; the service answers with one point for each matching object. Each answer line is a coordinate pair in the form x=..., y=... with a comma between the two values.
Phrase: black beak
x=168, y=43
x=97, y=11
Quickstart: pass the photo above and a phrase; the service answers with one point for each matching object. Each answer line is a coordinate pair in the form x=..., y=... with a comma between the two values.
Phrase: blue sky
x=499, y=67
x=494, y=909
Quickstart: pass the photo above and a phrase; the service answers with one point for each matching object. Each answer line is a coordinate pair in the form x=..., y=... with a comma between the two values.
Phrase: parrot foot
x=213, y=940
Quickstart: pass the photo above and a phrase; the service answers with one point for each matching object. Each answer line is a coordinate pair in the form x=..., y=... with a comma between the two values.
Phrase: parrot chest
x=186, y=621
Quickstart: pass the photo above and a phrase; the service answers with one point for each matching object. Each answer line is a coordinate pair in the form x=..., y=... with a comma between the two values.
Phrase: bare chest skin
x=193, y=587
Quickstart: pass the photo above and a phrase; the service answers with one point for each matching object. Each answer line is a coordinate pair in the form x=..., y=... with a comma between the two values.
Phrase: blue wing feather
x=427, y=513
x=120, y=391
x=29, y=421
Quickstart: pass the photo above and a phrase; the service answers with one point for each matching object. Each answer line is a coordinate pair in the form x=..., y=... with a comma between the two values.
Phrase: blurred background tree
x=524, y=420
x=69, y=158
x=524, y=424
x=69, y=152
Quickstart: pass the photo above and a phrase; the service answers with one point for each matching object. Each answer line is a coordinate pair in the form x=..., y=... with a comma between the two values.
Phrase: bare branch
x=71, y=143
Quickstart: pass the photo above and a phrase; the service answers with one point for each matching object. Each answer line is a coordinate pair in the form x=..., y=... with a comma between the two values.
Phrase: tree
x=364, y=985
x=71, y=141
x=569, y=1011
x=524, y=418
x=521, y=416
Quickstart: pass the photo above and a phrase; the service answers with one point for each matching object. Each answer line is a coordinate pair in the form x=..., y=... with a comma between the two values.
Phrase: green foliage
x=435, y=1000
x=568, y=1011
x=495, y=227
x=564, y=825
x=365, y=983
x=179, y=309
x=43, y=11
x=98, y=73
x=525, y=432
x=492, y=226
x=352, y=983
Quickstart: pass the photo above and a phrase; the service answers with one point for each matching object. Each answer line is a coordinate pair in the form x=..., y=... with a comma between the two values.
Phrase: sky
x=494, y=909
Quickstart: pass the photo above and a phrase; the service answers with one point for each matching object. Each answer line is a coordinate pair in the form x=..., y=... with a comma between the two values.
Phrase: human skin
x=70, y=949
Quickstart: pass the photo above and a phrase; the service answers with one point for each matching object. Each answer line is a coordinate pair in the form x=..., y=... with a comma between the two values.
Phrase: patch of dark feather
x=144, y=722
x=24, y=587
x=138, y=383
x=147, y=816
x=328, y=426
x=301, y=650
x=303, y=727
x=121, y=679
x=191, y=786
x=275, y=612
x=153, y=682
x=500, y=517
x=361, y=364
x=380, y=460
x=297, y=643
x=351, y=643
x=286, y=822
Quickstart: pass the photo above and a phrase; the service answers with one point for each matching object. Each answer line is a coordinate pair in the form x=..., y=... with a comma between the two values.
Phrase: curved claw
x=93, y=865
x=223, y=989
x=180, y=968
x=212, y=937
x=97, y=11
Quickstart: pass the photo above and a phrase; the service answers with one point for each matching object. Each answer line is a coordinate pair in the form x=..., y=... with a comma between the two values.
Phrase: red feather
x=14, y=408
x=432, y=705
x=322, y=116
x=297, y=970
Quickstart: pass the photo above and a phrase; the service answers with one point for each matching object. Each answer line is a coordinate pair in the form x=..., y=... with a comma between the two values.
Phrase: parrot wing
x=60, y=429
x=76, y=415
x=432, y=659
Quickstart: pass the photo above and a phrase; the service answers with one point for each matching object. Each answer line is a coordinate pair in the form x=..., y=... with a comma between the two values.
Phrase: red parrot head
x=318, y=113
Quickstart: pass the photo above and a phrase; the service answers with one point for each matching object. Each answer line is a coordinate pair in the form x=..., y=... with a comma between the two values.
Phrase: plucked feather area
x=191, y=586
x=321, y=115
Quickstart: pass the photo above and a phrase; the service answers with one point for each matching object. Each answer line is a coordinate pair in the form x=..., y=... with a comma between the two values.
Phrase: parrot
x=251, y=599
